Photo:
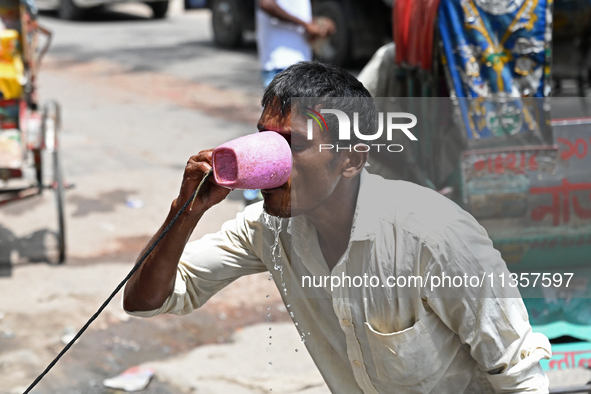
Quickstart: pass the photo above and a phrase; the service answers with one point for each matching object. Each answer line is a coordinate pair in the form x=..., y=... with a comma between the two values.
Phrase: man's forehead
x=276, y=115
x=273, y=117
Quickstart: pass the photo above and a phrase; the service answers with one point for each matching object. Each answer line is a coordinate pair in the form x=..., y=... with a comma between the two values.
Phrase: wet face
x=314, y=174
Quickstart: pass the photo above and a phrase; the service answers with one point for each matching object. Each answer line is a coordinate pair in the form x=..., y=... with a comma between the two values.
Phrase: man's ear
x=354, y=161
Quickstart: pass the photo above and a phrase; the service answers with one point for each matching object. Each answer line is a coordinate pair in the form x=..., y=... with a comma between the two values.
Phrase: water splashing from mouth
x=275, y=227
x=275, y=258
x=275, y=248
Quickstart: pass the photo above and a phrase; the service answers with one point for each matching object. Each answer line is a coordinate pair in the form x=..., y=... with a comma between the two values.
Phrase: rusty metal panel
x=497, y=182
x=535, y=201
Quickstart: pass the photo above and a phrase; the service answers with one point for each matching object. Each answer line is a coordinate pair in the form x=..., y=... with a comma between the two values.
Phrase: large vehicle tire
x=227, y=21
x=69, y=11
x=159, y=9
x=336, y=49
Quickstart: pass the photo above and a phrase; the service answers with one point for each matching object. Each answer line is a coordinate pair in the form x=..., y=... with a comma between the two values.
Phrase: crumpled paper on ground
x=132, y=379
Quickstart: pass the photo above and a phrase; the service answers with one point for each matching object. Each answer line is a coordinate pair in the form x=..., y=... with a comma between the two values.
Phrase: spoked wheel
x=51, y=126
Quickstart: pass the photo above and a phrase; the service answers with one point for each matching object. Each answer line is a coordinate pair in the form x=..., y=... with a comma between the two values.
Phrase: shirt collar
x=365, y=218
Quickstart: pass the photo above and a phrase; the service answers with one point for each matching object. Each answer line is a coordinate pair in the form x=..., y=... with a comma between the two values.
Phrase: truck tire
x=336, y=49
x=69, y=11
x=227, y=21
x=159, y=9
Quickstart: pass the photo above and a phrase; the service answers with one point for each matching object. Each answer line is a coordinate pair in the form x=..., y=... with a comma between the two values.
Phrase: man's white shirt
x=282, y=44
x=383, y=339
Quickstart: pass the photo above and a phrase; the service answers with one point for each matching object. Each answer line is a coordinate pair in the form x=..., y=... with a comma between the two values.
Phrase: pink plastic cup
x=255, y=161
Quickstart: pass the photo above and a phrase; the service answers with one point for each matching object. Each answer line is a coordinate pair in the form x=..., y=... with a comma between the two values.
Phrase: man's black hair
x=320, y=85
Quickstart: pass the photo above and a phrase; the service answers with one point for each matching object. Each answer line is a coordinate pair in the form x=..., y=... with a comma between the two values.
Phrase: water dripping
x=275, y=248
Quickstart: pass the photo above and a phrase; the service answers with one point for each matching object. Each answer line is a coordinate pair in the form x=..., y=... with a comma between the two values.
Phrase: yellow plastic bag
x=11, y=64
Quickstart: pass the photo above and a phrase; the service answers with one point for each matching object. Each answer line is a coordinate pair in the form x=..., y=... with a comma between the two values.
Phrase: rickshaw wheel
x=51, y=126
x=58, y=187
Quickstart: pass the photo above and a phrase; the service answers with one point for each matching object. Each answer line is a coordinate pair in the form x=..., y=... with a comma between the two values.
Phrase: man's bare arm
x=153, y=282
x=272, y=8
